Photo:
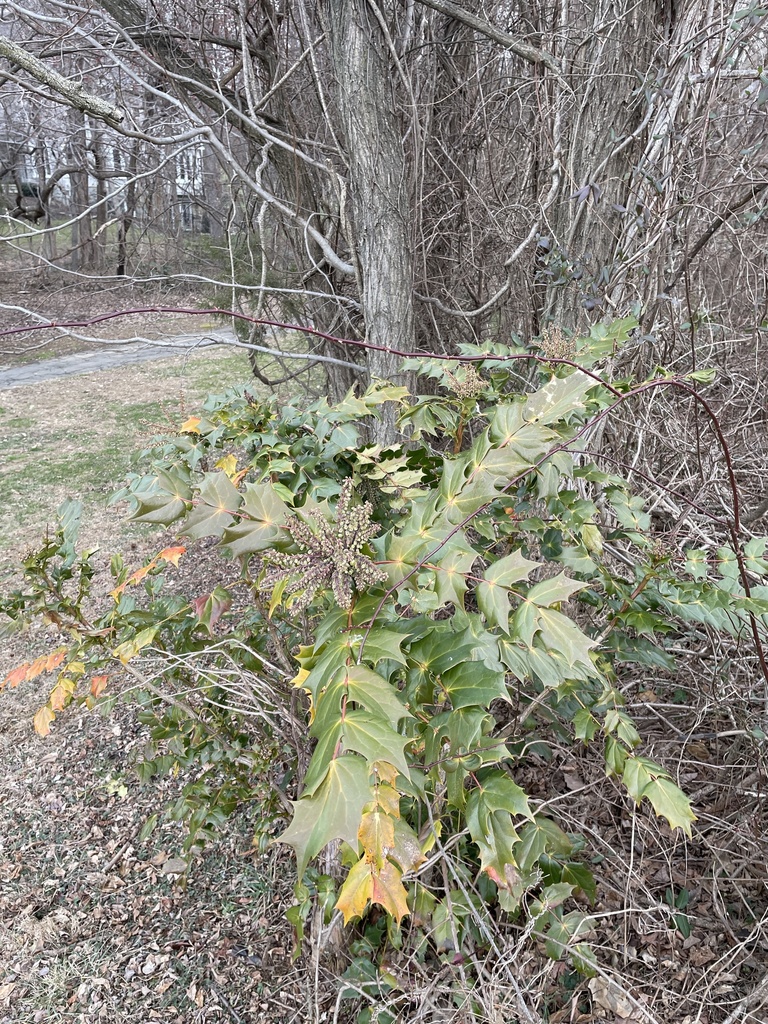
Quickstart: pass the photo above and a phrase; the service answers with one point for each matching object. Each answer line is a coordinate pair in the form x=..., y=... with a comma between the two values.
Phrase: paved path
x=106, y=357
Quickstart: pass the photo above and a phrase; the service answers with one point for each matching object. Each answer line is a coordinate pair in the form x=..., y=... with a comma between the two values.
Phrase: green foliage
x=446, y=605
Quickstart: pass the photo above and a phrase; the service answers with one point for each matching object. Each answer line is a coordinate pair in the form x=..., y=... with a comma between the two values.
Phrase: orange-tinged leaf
x=32, y=669
x=55, y=658
x=190, y=426
x=42, y=721
x=62, y=692
x=172, y=554
x=117, y=593
x=36, y=668
x=139, y=575
x=389, y=891
x=356, y=891
x=18, y=675
x=98, y=685
x=377, y=835
x=237, y=479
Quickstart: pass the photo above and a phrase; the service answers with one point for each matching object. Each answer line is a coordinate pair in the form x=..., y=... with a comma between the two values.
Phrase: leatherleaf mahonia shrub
x=430, y=613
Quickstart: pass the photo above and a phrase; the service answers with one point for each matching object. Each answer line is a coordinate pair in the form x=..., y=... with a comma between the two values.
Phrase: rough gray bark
x=378, y=179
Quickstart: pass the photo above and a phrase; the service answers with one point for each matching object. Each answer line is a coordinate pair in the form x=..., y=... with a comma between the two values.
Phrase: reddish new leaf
x=98, y=685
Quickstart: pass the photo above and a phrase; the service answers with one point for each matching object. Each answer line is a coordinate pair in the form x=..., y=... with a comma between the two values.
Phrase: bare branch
x=735, y=207
x=525, y=50
x=73, y=93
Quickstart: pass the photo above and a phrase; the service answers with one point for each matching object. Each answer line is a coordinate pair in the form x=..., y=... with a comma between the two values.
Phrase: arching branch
x=70, y=91
x=525, y=50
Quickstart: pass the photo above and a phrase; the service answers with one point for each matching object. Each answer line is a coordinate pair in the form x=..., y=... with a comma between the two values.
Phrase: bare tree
x=419, y=173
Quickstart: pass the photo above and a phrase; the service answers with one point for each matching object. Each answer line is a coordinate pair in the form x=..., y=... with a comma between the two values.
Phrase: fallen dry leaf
x=610, y=996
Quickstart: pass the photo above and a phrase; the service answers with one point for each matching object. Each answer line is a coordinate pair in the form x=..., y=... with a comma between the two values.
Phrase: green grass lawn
x=74, y=438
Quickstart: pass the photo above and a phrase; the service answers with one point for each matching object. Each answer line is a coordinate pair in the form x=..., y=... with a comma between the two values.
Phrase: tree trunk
x=378, y=186
x=82, y=232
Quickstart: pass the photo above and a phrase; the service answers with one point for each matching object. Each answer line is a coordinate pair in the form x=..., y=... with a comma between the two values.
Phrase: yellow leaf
x=389, y=891
x=42, y=721
x=356, y=891
x=388, y=800
x=407, y=851
x=298, y=679
x=592, y=538
x=98, y=685
x=117, y=593
x=190, y=426
x=229, y=465
x=386, y=772
x=428, y=836
x=172, y=554
x=130, y=648
x=277, y=595
x=377, y=835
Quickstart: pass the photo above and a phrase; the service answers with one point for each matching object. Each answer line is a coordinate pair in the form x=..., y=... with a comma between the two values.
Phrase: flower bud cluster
x=468, y=384
x=555, y=345
x=332, y=557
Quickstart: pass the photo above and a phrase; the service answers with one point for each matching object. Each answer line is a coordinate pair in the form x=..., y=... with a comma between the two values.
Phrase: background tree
x=420, y=173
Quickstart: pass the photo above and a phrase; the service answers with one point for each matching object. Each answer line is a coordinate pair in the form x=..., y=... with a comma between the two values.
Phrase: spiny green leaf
x=362, y=686
x=217, y=501
x=558, y=398
x=492, y=594
x=333, y=812
x=474, y=683
x=537, y=837
x=261, y=530
x=164, y=500
x=553, y=591
x=563, y=636
x=374, y=740
x=645, y=778
x=495, y=837
x=451, y=567
x=328, y=741
x=585, y=725
x=500, y=793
